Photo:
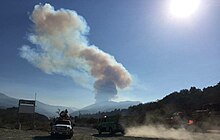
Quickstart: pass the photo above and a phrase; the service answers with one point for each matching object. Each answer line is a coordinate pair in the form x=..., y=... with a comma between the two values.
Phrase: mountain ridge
x=105, y=107
x=41, y=108
x=50, y=110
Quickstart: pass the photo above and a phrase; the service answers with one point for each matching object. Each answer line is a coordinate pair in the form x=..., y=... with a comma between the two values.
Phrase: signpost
x=26, y=107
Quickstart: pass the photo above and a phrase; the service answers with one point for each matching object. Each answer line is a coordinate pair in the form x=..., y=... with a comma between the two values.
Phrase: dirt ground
x=80, y=133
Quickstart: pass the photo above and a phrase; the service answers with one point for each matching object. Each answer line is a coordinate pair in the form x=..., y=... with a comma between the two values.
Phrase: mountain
x=41, y=108
x=50, y=110
x=6, y=102
x=105, y=106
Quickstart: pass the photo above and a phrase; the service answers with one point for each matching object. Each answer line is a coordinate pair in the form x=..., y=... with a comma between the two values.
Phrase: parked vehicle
x=109, y=125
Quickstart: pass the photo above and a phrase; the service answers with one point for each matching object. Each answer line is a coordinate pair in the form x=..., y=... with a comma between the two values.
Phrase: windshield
x=63, y=122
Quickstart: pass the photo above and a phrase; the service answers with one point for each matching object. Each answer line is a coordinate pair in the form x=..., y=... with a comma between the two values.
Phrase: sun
x=183, y=8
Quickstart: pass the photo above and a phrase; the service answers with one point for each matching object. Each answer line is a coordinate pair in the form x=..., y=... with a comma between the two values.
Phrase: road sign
x=26, y=106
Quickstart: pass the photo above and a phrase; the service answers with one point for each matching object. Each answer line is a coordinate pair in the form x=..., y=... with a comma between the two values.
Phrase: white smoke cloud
x=60, y=46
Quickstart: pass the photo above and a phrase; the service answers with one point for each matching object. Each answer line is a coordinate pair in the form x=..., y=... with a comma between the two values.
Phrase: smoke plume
x=60, y=46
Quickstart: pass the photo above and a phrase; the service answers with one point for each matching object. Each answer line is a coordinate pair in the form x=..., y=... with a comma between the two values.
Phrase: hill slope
x=186, y=101
x=6, y=102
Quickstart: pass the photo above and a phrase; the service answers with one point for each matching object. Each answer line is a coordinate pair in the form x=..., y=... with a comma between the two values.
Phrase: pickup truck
x=110, y=127
x=62, y=127
x=108, y=124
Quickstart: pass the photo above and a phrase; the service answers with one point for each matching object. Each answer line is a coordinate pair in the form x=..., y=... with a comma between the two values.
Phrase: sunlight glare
x=183, y=8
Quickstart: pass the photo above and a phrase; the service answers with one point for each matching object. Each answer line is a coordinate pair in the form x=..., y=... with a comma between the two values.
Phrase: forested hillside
x=186, y=100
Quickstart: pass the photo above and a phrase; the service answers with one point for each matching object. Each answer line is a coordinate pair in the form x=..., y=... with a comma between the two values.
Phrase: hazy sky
x=162, y=53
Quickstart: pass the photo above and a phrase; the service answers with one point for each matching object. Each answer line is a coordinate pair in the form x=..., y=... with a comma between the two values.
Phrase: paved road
x=80, y=134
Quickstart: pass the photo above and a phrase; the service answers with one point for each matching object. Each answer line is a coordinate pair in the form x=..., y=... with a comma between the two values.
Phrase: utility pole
x=35, y=99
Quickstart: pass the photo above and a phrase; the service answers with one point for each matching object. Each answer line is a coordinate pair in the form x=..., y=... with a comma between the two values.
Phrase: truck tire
x=53, y=135
x=100, y=131
x=122, y=132
x=111, y=132
x=69, y=136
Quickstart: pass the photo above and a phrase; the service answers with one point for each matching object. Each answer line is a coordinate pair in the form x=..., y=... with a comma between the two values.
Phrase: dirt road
x=80, y=134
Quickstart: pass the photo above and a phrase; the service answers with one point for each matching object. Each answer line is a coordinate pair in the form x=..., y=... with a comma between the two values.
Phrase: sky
x=161, y=53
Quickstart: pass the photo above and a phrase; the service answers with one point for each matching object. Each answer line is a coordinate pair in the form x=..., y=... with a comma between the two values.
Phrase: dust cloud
x=160, y=131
